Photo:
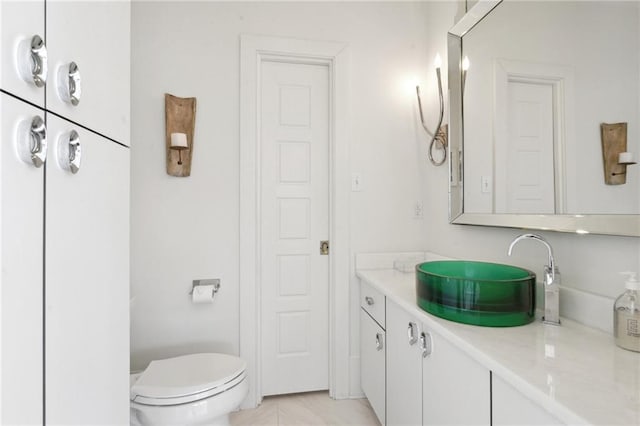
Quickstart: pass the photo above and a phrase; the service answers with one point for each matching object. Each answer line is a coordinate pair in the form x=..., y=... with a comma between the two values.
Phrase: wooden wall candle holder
x=614, y=141
x=180, y=117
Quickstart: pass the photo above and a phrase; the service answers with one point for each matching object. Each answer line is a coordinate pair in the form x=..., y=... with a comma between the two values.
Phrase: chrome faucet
x=551, y=281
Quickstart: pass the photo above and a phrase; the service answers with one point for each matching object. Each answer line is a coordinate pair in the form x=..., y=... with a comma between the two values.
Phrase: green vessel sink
x=478, y=293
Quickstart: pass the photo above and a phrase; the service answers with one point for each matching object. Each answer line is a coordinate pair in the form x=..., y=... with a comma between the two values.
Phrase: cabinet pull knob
x=369, y=300
x=70, y=83
x=70, y=152
x=32, y=61
x=379, y=344
x=31, y=141
x=426, y=344
x=411, y=333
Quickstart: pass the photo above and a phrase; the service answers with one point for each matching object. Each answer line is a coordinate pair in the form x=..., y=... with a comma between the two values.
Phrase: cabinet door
x=20, y=20
x=456, y=389
x=21, y=194
x=404, y=368
x=372, y=363
x=510, y=407
x=87, y=283
x=94, y=35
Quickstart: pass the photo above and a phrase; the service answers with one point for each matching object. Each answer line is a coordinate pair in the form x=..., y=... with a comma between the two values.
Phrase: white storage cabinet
x=404, y=367
x=455, y=387
x=20, y=22
x=64, y=290
x=372, y=348
x=21, y=281
x=87, y=276
x=430, y=381
x=95, y=35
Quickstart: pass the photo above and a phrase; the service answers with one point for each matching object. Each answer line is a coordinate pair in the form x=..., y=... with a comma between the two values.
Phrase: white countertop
x=577, y=373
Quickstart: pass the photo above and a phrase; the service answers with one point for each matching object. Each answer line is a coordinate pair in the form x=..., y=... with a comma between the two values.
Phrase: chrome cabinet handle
x=69, y=152
x=411, y=333
x=31, y=141
x=369, y=300
x=426, y=344
x=379, y=344
x=70, y=83
x=32, y=61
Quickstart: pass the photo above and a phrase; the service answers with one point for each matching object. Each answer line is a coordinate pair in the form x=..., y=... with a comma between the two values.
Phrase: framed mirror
x=525, y=116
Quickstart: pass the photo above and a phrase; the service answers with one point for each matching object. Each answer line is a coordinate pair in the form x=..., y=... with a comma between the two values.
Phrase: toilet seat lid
x=187, y=375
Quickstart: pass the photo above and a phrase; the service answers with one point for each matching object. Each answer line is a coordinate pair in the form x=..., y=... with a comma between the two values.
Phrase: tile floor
x=313, y=408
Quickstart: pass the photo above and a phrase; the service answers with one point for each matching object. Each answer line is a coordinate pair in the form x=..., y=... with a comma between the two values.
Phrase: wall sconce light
x=439, y=137
x=614, y=153
x=179, y=143
x=180, y=122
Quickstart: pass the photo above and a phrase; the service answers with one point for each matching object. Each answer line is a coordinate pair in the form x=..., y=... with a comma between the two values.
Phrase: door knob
x=69, y=152
x=324, y=248
x=70, y=83
x=379, y=344
x=411, y=333
x=32, y=61
x=426, y=344
x=31, y=141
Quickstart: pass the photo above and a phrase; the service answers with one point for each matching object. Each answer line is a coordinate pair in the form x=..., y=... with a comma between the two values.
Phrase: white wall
x=187, y=228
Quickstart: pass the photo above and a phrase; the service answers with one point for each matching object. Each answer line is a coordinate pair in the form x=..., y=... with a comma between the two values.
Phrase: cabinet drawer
x=372, y=301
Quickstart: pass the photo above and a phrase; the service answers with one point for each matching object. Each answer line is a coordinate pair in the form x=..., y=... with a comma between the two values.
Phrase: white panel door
x=21, y=289
x=94, y=35
x=529, y=177
x=404, y=368
x=87, y=283
x=294, y=146
x=20, y=20
x=455, y=388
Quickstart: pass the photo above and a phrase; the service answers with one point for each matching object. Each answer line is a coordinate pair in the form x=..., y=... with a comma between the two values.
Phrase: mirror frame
x=603, y=224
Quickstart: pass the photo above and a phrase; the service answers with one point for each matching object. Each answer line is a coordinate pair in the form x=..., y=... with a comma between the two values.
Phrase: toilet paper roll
x=202, y=294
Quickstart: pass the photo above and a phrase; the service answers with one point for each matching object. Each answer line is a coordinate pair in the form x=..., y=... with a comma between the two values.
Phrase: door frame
x=254, y=50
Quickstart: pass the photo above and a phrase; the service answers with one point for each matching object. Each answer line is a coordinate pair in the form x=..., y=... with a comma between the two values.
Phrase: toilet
x=196, y=389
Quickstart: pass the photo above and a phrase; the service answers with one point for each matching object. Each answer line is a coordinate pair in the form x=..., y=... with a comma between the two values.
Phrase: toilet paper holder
x=215, y=282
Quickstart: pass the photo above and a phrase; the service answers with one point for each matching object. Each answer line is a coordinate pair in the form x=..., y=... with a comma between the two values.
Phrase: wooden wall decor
x=180, y=117
x=614, y=141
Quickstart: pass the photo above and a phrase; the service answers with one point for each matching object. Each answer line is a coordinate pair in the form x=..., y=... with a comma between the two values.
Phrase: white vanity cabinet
x=21, y=263
x=87, y=283
x=429, y=381
x=372, y=348
x=404, y=367
x=511, y=407
x=95, y=35
x=20, y=21
x=455, y=387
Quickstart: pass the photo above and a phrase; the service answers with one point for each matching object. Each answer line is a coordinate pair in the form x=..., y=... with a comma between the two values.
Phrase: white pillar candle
x=625, y=157
x=179, y=140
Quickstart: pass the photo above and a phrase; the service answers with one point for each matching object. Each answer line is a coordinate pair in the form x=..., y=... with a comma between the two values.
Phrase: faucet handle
x=552, y=277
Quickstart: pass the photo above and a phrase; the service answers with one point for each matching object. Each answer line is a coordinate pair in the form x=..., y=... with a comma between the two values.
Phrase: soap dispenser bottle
x=626, y=315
